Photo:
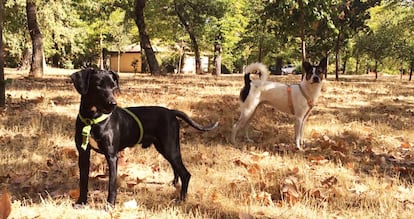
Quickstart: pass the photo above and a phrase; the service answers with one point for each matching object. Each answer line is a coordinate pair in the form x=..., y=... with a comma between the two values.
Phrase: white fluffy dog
x=297, y=99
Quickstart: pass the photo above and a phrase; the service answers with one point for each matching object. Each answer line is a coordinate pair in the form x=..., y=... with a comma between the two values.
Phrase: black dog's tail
x=245, y=90
x=195, y=125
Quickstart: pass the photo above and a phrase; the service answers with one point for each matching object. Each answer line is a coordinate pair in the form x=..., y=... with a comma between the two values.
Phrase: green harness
x=86, y=130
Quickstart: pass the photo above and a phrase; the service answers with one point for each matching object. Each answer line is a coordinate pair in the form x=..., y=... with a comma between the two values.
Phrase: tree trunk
x=411, y=70
x=337, y=55
x=279, y=65
x=345, y=60
x=302, y=34
x=217, y=65
x=190, y=31
x=357, y=64
x=2, y=82
x=259, y=56
x=101, y=56
x=36, y=67
x=376, y=69
x=56, y=56
x=196, y=52
x=144, y=38
x=217, y=56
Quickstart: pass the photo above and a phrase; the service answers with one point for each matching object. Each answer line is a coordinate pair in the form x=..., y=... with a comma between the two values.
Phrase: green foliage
x=75, y=32
x=14, y=31
x=389, y=40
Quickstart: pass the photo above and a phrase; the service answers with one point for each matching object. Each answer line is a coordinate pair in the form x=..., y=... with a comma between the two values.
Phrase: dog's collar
x=86, y=130
x=290, y=103
x=141, y=128
x=309, y=100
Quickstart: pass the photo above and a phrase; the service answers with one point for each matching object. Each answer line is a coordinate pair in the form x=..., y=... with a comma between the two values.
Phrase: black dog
x=107, y=129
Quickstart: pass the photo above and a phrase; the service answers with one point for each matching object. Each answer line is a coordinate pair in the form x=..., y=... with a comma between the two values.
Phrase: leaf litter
x=269, y=174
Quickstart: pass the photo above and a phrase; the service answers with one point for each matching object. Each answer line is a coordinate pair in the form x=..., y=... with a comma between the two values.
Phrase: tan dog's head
x=314, y=73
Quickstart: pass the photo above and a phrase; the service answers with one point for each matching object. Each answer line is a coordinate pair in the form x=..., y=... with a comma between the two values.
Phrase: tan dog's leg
x=246, y=115
x=302, y=130
x=298, y=132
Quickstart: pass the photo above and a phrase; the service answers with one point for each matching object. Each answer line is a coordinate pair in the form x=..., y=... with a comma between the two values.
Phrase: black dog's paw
x=80, y=203
x=108, y=207
x=178, y=201
x=78, y=206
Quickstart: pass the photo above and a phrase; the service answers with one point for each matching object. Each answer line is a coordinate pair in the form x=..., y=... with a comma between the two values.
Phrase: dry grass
x=358, y=163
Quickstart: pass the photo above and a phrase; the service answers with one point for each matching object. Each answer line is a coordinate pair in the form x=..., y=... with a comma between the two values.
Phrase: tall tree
x=194, y=16
x=15, y=33
x=217, y=55
x=349, y=18
x=377, y=45
x=2, y=81
x=308, y=21
x=184, y=19
x=302, y=34
x=144, y=38
x=36, y=67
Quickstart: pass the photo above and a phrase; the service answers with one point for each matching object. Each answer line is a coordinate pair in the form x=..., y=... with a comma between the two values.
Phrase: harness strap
x=310, y=101
x=290, y=103
x=86, y=130
x=141, y=128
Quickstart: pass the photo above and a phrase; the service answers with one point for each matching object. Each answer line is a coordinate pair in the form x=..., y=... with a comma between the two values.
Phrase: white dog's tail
x=253, y=68
x=258, y=67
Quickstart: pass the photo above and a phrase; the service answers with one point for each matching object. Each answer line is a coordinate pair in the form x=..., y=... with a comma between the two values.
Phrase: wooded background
x=358, y=35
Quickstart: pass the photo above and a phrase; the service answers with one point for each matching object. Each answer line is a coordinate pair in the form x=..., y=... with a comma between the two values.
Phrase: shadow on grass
x=361, y=152
x=52, y=173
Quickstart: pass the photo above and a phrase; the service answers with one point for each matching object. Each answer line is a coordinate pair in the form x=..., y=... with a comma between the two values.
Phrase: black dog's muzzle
x=109, y=106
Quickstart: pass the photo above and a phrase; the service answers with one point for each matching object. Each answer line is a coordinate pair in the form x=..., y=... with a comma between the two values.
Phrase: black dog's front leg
x=112, y=160
x=84, y=163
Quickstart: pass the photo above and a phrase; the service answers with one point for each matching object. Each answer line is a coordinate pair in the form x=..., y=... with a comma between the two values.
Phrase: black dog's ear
x=307, y=66
x=81, y=81
x=324, y=63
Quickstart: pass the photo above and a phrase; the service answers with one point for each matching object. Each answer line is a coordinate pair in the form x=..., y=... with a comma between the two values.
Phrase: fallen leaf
x=265, y=199
x=131, y=184
x=74, y=194
x=349, y=165
x=39, y=99
x=5, y=204
x=316, y=194
x=254, y=169
x=215, y=196
x=232, y=185
x=155, y=168
x=330, y=181
x=245, y=216
x=405, y=145
x=315, y=134
x=317, y=159
x=295, y=170
x=70, y=153
x=289, y=190
x=258, y=156
x=238, y=162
